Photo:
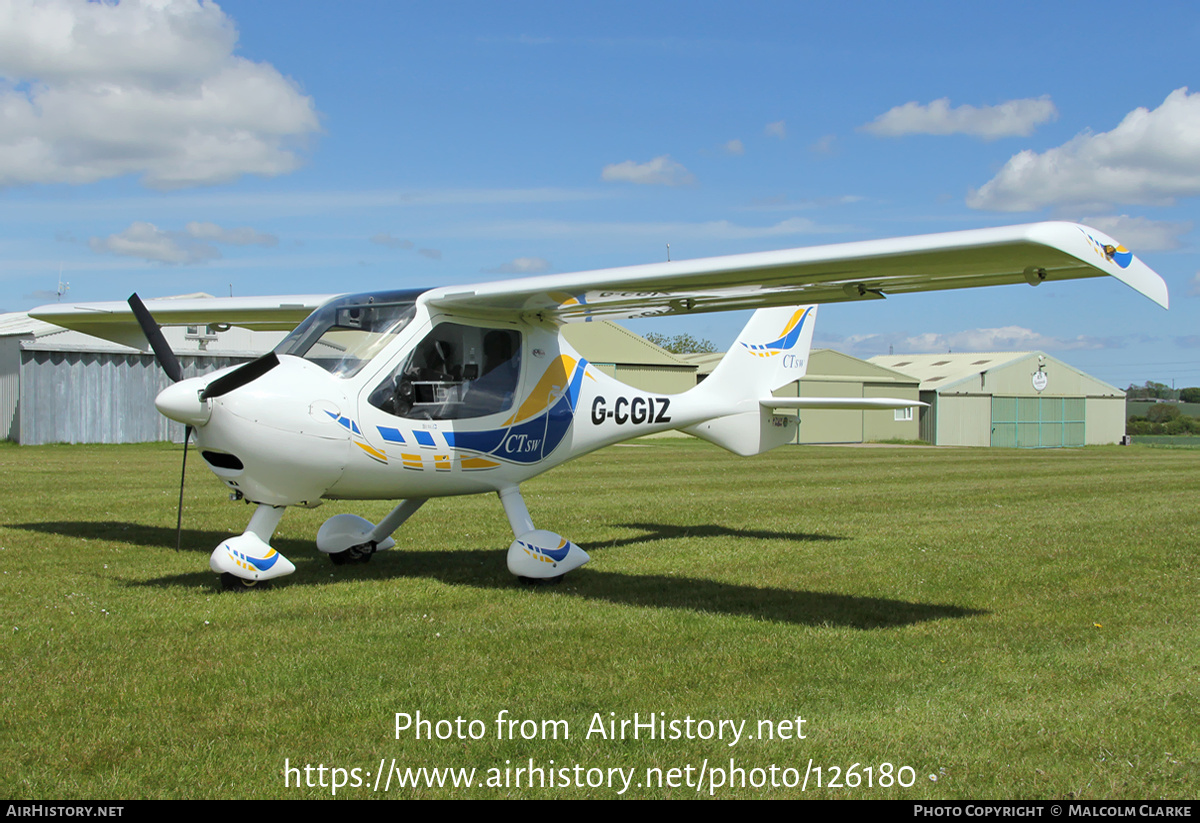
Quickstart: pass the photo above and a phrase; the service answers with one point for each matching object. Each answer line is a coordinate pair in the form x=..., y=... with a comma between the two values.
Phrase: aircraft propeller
x=162, y=350
x=240, y=376
x=170, y=364
x=166, y=358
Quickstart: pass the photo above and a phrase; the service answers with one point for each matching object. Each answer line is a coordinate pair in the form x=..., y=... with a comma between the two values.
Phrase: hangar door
x=1038, y=422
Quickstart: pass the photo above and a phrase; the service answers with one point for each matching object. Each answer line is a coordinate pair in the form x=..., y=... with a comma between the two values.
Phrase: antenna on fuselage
x=668, y=252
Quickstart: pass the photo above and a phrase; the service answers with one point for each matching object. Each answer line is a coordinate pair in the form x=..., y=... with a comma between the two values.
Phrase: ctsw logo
x=521, y=444
x=636, y=411
x=1117, y=254
x=787, y=338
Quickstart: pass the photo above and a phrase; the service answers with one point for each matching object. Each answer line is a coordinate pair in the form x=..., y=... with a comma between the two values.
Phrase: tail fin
x=771, y=352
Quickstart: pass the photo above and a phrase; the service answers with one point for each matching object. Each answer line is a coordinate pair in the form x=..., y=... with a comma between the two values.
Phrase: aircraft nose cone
x=181, y=402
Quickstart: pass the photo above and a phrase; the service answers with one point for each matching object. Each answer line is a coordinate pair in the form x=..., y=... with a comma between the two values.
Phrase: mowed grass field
x=990, y=623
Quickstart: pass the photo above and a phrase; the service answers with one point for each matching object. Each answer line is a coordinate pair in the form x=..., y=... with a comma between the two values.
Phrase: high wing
x=115, y=321
x=867, y=270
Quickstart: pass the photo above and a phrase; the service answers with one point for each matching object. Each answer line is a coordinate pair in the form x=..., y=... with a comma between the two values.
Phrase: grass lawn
x=987, y=623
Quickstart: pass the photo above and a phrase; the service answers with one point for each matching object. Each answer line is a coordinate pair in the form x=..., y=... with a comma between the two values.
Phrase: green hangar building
x=1010, y=399
x=833, y=374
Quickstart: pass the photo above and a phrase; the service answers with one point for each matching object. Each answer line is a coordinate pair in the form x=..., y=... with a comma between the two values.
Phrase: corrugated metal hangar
x=59, y=386
x=1011, y=399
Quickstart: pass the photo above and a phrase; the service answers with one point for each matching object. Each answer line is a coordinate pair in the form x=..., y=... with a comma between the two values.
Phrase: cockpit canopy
x=345, y=333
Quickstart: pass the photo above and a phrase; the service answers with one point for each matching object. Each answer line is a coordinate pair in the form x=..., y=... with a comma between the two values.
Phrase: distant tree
x=1190, y=395
x=681, y=344
x=1163, y=413
x=1151, y=390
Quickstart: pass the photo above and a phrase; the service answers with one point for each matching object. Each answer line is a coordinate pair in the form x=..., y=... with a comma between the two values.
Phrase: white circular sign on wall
x=1040, y=380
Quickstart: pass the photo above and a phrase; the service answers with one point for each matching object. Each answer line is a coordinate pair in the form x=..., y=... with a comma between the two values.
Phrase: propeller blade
x=162, y=351
x=187, y=435
x=240, y=376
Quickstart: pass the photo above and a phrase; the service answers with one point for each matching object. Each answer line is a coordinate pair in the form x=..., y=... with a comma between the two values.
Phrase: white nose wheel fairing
x=249, y=556
x=537, y=554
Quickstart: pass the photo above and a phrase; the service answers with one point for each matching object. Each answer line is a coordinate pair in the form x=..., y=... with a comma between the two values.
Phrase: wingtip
x=1107, y=254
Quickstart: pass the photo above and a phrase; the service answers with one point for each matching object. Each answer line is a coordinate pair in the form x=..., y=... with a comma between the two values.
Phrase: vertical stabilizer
x=771, y=352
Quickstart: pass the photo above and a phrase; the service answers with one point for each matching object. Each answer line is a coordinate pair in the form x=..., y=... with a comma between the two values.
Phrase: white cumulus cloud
x=1151, y=157
x=1005, y=338
x=195, y=244
x=1009, y=119
x=148, y=242
x=661, y=171
x=734, y=147
x=776, y=129
x=90, y=91
x=1140, y=233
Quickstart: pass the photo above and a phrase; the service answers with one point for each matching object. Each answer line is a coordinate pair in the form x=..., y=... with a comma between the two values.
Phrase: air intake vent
x=221, y=460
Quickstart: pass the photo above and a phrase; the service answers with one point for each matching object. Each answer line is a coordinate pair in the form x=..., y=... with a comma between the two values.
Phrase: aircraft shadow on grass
x=479, y=568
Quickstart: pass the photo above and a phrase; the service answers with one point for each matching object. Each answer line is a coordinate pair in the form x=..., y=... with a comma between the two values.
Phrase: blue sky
x=268, y=147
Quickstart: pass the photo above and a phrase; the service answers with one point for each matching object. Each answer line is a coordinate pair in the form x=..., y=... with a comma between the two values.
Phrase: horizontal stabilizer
x=862, y=403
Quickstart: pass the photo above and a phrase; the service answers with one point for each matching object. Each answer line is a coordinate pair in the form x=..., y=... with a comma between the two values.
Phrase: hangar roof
x=14, y=324
x=936, y=371
x=939, y=372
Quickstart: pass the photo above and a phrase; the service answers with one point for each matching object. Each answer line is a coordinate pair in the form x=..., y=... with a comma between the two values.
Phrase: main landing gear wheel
x=233, y=583
x=354, y=554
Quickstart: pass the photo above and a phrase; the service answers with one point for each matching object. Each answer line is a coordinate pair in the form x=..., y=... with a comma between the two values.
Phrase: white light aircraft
x=408, y=395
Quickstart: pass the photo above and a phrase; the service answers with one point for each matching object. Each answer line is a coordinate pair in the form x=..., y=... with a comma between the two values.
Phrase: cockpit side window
x=456, y=372
x=344, y=334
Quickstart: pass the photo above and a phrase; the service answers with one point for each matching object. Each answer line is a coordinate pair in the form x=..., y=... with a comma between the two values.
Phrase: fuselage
x=440, y=405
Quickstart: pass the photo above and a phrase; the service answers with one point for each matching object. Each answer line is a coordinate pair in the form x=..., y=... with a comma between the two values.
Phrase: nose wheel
x=248, y=561
x=233, y=583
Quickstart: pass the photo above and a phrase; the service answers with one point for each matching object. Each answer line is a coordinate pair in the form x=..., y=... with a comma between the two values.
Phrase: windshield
x=344, y=334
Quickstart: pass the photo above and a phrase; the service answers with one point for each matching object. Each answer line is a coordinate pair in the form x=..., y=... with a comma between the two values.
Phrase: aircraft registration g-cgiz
x=408, y=395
